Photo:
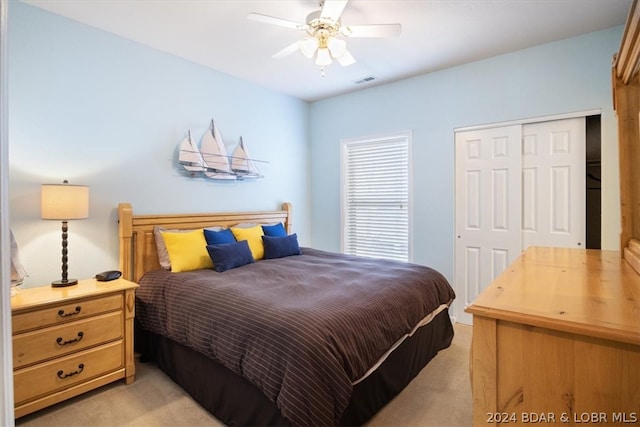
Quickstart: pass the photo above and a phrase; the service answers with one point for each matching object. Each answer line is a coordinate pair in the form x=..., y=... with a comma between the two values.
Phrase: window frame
x=345, y=144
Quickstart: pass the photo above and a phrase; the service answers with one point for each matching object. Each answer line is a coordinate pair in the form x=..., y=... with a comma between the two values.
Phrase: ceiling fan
x=325, y=34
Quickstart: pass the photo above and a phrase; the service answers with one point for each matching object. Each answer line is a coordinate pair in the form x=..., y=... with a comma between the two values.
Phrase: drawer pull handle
x=62, y=375
x=61, y=342
x=61, y=313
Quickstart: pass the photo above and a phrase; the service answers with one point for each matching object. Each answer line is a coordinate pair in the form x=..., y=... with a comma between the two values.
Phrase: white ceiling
x=436, y=34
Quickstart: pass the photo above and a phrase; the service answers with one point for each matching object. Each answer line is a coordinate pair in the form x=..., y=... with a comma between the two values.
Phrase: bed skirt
x=237, y=402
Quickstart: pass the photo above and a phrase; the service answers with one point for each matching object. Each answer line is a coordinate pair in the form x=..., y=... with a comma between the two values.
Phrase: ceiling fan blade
x=375, y=30
x=287, y=51
x=332, y=9
x=276, y=21
x=345, y=59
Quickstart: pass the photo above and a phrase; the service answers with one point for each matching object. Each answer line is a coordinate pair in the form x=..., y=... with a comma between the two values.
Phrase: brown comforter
x=301, y=328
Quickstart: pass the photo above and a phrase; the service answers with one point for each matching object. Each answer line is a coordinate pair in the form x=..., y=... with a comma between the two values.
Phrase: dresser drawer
x=48, y=377
x=55, y=341
x=57, y=314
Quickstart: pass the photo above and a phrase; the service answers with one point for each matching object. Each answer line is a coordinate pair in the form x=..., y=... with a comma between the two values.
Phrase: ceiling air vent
x=365, y=80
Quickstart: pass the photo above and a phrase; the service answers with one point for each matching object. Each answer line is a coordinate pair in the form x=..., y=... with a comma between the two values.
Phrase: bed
x=305, y=338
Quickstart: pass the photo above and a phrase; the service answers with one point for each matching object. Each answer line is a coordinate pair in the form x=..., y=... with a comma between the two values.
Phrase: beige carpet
x=439, y=396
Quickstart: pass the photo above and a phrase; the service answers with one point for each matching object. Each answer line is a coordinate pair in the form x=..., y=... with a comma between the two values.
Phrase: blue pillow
x=280, y=246
x=226, y=256
x=274, y=230
x=218, y=237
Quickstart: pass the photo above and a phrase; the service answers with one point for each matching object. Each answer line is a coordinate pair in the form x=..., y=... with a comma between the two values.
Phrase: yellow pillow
x=253, y=236
x=187, y=251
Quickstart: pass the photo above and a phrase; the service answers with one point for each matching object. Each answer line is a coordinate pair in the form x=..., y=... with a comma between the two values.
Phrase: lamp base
x=64, y=283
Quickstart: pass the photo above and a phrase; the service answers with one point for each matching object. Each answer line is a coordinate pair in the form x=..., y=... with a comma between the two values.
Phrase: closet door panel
x=554, y=187
x=488, y=208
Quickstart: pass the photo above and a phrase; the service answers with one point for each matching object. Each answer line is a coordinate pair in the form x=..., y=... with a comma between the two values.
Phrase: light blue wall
x=104, y=111
x=97, y=109
x=556, y=78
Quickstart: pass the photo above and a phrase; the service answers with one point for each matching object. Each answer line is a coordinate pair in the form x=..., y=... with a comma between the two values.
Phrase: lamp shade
x=64, y=201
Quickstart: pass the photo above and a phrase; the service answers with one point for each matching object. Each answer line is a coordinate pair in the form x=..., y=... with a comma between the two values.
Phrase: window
x=375, y=197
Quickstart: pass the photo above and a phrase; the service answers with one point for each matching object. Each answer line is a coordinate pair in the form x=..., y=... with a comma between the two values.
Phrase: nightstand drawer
x=57, y=314
x=55, y=341
x=33, y=382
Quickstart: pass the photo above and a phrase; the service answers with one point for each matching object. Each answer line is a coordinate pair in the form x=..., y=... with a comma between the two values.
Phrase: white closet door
x=488, y=208
x=553, y=181
x=516, y=186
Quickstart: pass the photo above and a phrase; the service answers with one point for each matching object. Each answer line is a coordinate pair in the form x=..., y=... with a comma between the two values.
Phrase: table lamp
x=64, y=202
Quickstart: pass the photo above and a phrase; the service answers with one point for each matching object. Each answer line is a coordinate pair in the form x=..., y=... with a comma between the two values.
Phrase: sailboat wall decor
x=214, y=154
x=190, y=157
x=212, y=160
x=242, y=165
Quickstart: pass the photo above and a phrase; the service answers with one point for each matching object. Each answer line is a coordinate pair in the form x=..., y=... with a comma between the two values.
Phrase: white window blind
x=376, y=197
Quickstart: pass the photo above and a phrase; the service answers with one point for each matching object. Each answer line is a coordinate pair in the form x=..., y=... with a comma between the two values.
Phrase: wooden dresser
x=67, y=341
x=556, y=338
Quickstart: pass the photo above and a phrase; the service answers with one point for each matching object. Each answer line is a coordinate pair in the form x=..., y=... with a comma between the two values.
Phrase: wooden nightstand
x=67, y=341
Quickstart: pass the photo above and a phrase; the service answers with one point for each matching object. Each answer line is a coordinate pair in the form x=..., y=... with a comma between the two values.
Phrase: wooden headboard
x=138, y=252
x=626, y=102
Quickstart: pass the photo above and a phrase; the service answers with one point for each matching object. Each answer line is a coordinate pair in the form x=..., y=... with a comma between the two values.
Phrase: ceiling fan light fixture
x=337, y=47
x=325, y=38
x=323, y=57
x=308, y=46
